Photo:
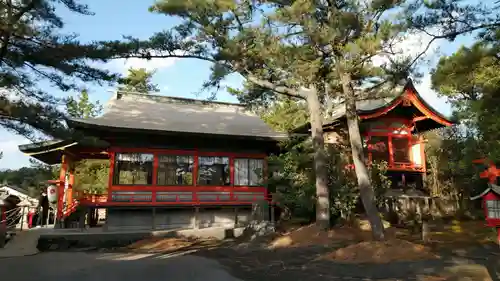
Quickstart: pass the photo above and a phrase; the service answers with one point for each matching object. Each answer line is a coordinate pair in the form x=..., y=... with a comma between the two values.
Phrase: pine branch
x=245, y=73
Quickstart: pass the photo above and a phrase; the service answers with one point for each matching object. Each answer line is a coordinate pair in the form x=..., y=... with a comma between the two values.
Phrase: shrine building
x=392, y=130
x=173, y=163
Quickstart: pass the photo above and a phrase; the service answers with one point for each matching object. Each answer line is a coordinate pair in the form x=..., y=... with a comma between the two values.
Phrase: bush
x=292, y=178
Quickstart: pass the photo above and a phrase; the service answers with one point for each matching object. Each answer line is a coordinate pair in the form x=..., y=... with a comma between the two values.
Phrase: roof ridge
x=173, y=99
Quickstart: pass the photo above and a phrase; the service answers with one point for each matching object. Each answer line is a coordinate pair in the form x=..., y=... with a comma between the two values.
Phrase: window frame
x=156, y=171
x=231, y=170
x=114, y=152
x=493, y=209
x=391, y=128
x=115, y=173
x=248, y=171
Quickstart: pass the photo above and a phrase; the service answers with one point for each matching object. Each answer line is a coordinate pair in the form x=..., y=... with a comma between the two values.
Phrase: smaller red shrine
x=490, y=196
x=491, y=204
x=392, y=129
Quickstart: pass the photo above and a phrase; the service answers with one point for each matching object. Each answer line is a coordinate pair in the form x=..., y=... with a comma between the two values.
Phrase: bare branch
x=287, y=91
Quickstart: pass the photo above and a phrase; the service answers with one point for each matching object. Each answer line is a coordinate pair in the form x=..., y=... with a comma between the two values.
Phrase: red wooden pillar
x=71, y=183
x=231, y=177
x=196, y=164
x=112, y=156
x=265, y=178
x=422, y=153
x=60, y=189
x=391, y=151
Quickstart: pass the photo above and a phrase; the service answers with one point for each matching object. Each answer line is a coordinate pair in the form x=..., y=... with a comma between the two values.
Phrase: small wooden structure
x=392, y=130
x=174, y=162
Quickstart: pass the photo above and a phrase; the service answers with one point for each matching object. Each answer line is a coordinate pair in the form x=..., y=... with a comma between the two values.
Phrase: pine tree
x=32, y=48
x=82, y=107
x=306, y=50
x=139, y=80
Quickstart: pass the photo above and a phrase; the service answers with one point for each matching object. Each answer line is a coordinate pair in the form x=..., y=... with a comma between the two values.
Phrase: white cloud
x=412, y=45
x=12, y=158
x=430, y=96
x=122, y=65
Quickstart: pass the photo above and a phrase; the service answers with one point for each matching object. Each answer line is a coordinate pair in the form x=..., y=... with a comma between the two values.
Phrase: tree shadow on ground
x=305, y=263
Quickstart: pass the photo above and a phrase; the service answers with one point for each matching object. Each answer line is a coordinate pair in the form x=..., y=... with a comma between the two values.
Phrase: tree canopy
x=139, y=80
x=32, y=50
x=309, y=50
x=470, y=80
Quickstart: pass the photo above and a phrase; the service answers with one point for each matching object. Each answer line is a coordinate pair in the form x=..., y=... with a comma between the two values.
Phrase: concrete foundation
x=64, y=239
x=167, y=219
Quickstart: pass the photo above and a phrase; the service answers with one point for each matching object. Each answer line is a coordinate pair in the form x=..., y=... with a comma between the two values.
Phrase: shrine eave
x=410, y=96
x=375, y=108
x=51, y=152
x=491, y=188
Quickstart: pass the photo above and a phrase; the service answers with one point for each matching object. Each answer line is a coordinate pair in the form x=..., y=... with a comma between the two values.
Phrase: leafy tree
x=82, y=107
x=139, y=80
x=470, y=80
x=28, y=178
x=33, y=48
x=285, y=114
x=90, y=175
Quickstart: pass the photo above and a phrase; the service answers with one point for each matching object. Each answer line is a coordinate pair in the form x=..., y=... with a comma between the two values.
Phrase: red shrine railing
x=188, y=196
x=156, y=193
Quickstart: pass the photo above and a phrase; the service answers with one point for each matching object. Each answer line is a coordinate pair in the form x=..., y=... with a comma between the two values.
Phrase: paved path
x=23, y=244
x=79, y=266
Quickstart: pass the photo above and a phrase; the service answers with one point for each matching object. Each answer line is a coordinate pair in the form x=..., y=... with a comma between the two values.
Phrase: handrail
x=68, y=210
x=13, y=215
x=151, y=198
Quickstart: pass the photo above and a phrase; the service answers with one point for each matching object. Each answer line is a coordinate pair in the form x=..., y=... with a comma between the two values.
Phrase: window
x=213, y=171
x=375, y=126
x=378, y=146
x=493, y=207
x=133, y=168
x=401, y=149
x=248, y=172
x=175, y=170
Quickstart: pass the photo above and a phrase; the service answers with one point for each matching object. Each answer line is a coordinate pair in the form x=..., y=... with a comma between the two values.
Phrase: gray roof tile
x=162, y=113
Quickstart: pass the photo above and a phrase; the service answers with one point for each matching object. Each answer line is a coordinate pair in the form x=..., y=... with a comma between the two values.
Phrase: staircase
x=71, y=214
x=71, y=208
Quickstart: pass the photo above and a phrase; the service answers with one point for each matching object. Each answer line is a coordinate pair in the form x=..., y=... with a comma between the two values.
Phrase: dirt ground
x=455, y=251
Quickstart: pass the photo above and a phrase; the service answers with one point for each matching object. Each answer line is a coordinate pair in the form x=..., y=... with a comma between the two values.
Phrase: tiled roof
x=371, y=105
x=172, y=114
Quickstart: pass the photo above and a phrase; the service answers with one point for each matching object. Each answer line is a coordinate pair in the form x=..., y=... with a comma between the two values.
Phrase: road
x=91, y=266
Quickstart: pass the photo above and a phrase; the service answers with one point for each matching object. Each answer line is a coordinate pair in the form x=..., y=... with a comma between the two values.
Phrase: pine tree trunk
x=320, y=161
x=365, y=187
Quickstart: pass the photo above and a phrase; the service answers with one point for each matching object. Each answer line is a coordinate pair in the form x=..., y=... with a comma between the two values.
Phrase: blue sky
x=115, y=18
